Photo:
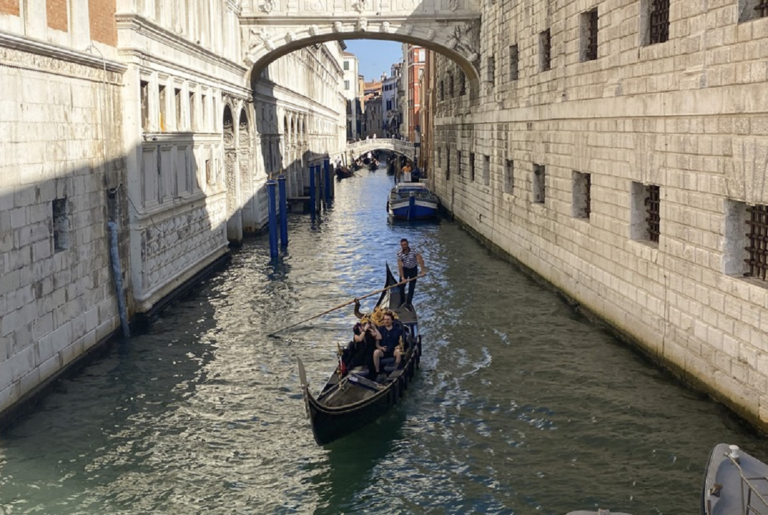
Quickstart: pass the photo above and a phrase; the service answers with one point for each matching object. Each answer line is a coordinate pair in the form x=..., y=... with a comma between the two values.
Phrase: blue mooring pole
x=272, y=219
x=312, y=203
x=283, y=211
x=327, y=173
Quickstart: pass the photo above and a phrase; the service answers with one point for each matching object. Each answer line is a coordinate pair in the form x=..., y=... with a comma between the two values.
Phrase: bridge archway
x=457, y=39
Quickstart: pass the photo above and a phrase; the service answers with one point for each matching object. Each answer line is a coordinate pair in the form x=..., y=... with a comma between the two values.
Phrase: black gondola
x=350, y=401
x=374, y=165
x=344, y=173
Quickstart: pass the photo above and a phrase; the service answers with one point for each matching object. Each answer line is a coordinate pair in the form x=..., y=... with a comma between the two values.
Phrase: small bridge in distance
x=360, y=148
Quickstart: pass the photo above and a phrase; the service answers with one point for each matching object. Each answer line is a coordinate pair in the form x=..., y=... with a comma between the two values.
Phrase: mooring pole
x=312, y=204
x=283, y=211
x=273, y=251
x=327, y=173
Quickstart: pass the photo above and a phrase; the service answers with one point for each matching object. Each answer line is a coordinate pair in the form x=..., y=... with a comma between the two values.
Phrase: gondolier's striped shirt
x=409, y=259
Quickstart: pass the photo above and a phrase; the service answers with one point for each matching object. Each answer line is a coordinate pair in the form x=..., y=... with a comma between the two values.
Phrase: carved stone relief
x=230, y=159
x=268, y=6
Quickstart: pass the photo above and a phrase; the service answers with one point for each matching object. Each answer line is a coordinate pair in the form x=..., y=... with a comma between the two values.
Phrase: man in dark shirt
x=388, y=346
x=408, y=263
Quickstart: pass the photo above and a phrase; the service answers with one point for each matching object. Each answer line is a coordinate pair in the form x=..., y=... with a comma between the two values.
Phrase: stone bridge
x=274, y=28
x=397, y=146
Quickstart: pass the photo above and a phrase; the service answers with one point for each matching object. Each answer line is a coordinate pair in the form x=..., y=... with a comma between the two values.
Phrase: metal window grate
x=450, y=85
x=758, y=241
x=659, y=21
x=513, y=62
x=463, y=84
x=652, y=203
x=762, y=9
x=587, y=195
x=546, y=50
x=592, y=35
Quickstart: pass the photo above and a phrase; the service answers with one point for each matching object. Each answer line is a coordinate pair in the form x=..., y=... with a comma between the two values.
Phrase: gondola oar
x=347, y=304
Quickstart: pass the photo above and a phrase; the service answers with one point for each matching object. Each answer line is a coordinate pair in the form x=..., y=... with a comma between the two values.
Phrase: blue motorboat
x=412, y=201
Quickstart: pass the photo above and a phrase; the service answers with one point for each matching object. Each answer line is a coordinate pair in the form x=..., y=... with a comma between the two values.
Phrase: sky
x=375, y=56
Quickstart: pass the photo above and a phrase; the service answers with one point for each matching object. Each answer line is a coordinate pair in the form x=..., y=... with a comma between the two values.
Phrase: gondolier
x=408, y=263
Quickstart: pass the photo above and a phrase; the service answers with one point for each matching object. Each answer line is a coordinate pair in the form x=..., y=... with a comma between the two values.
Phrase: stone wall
x=559, y=160
x=61, y=148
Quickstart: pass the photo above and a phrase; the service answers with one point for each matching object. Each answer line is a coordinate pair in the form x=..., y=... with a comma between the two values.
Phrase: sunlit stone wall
x=561, y=159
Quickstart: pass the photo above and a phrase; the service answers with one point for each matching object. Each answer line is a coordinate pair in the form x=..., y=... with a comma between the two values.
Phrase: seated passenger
x=389, y=344
x=364, y=343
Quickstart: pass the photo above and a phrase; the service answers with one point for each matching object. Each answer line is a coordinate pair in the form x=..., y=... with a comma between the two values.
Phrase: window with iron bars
x=513, y=62
x=471, y=166
x=450, y=85
x=589, y=35
x=582, y=195
x=539, y=183
x=545, y=51
x=645, y=212
x=463, y=84
x=746, y=240
x=655, y=17
x=752, y=10
x=757, y=241
x=509, y=176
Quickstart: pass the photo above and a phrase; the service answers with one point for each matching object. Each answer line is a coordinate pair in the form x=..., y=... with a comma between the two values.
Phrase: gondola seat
x=359, y=371
x=388, y=364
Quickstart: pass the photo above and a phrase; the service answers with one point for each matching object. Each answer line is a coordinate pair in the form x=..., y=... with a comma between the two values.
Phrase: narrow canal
x=520, y=407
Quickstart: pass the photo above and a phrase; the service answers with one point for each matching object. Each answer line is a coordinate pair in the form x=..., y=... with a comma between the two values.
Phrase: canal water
x=520, y=407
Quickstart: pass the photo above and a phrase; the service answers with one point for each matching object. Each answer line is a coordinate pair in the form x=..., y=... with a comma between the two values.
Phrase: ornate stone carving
x=431, y=34
x=313, y=30
x=453, y=4
x=466, y=39
x=261, y=37
x=385, y=28
x=407, y=29
x=362, y=24
x=268, y=6
x=360, y=5
x=337, y=26
x=291, y=36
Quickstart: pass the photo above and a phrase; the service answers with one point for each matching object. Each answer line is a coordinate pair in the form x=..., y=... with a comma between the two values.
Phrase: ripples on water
x=522, y=406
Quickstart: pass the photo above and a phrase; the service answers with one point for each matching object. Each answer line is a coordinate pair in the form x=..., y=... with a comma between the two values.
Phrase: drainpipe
x=118, y=273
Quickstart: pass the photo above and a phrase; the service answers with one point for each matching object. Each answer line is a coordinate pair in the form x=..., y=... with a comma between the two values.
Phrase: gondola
x=734, y=482
x=374, y=165
x=351, y=400
x=344, y=173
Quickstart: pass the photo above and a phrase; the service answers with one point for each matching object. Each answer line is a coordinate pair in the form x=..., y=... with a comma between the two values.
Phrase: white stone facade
x=560, y=157
x=147, y=117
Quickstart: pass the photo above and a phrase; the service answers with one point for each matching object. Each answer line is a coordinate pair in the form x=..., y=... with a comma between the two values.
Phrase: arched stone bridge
x=397, y=146
x=274, y=28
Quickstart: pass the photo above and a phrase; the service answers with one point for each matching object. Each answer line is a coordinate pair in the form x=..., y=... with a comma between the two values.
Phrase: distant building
x=351, y=91
x=389, y=103
x=413, y=59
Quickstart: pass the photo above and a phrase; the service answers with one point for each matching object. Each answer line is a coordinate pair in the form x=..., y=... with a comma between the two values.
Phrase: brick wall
x=10, y=7
x=56, y=11
x=103, y=28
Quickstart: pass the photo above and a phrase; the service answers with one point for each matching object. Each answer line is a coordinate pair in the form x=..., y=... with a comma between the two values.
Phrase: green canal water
x=520, y=407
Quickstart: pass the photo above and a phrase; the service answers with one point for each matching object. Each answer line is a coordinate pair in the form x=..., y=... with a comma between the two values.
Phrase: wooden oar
x=347, y=304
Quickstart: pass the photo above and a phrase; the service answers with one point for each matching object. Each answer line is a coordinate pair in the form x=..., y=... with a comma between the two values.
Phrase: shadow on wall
x=58, y=296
